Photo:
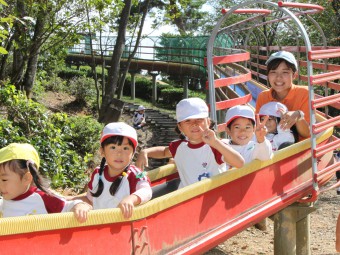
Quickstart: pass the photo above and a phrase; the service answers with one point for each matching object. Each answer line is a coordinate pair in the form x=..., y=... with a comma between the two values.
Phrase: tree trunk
x=113, y=75
x=34, y=52
x=18, y=66
x=4, y=58
x=178, y=20
x=126, y=69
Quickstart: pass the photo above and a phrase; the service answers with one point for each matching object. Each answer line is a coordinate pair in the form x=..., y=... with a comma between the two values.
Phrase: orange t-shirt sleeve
x=261, y=100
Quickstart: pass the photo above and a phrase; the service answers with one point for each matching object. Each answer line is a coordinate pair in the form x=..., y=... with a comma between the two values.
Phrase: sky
x=147, y=30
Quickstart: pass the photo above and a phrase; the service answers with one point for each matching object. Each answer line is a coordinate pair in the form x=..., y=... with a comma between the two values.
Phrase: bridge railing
x=184, y=50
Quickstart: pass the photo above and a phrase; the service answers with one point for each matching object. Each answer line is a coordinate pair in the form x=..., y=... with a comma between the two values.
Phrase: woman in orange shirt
x=281, y=71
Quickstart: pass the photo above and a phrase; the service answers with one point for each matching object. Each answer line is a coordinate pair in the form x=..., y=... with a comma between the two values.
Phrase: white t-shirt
x=35, y=201
x=253, y=150
x=282, y=136
x=138, y=118
x=196, y=162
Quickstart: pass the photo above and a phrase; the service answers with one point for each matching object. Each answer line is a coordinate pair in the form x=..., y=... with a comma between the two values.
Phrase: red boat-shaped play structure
x=198, y=217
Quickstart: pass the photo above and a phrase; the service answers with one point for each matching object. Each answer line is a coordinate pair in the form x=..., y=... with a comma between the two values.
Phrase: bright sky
x=147, y=30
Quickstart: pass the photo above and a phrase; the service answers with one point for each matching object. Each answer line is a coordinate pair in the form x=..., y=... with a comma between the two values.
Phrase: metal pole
x=133, y=85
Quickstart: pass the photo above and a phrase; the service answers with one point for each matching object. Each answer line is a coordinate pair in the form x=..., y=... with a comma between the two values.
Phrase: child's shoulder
x=136, y=173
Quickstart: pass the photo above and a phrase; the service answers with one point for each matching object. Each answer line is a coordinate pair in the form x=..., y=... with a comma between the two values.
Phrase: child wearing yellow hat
x=23, y=189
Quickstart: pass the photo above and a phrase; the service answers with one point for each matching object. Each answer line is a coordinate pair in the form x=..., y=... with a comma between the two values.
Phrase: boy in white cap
x=281, y=71
x=278, y=137
x=139, y=118
x=24, y=190
x=200, y=154
x=116, y=182
x=241, y=127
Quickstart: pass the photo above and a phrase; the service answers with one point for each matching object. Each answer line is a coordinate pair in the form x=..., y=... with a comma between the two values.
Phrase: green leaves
x=65, y=145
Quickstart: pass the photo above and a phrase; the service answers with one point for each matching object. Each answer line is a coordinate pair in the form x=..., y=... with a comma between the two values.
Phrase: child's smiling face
x=193, y=129
x=241, y=131
x=281, y=78
x=271, y=124
x=117, y=156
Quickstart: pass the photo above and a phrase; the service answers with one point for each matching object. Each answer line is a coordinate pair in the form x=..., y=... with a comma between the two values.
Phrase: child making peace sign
x=241, y=127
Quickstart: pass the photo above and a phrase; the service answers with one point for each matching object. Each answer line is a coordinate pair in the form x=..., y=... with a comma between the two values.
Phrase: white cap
x=140, y=108
x=119, y=128
x=239, y=111
x=191, y=108
x=289, y=57
x=272, y=109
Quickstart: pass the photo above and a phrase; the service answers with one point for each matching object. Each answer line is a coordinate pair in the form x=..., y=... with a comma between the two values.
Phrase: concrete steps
x=159, y=131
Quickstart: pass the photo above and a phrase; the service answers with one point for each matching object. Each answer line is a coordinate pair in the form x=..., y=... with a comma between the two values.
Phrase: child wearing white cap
x=117, y=183
x=241, y=127
x=139, y=118
x=200, y=154
x=281, y=71
x=23, y=189
x=278, y=137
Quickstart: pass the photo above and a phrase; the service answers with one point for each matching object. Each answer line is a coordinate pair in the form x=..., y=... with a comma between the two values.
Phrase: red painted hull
x=187, y=221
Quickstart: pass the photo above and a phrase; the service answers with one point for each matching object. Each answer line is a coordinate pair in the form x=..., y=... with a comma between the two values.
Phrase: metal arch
x=257, y=48
x=310, y=90
x=307, y=43
x=210, y=46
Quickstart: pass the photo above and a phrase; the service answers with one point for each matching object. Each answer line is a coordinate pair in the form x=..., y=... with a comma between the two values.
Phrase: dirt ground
x=322, y=231
x=252, y=240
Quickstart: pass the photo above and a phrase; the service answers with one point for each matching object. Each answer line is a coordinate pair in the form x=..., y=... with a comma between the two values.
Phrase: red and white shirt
x=135, y=182
x=35, y=201
x=196, y=162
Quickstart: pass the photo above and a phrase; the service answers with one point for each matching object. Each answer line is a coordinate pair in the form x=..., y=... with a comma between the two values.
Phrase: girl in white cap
x=139, y=118
x=24, y=191
x=117, y=183
x=282, y=69
x=200, y=154
x=241, y=127
x=278, y=137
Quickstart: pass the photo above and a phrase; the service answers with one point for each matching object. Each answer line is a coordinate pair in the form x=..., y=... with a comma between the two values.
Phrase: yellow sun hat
x=23, y=151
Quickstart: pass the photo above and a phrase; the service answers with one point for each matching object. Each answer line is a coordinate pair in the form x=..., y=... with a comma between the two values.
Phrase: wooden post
x=285, y=232
x=185, y=82
x=154, y=87
x=292, y=230
x=133, y=85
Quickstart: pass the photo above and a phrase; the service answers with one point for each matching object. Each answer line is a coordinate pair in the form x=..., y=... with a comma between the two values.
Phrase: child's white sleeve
x=263, y=151
x=70, y=204
x=89, y=195
x=143, y=191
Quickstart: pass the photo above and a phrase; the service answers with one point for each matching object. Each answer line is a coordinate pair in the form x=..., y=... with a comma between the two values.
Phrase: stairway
x=159, y=131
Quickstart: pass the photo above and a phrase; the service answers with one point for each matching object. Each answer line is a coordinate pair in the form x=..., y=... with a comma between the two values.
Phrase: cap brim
x=197, y=116
x=239, y=116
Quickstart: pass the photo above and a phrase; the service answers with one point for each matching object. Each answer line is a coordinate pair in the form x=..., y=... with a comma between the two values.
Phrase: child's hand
x=127, y=205
x=289, y=119
x=208, y=136
x=80, y=211
x=260, y=129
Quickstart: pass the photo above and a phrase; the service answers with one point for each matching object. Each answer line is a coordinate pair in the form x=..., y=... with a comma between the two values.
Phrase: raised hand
x=260, y=128
x=289, y=119
x=208, y=136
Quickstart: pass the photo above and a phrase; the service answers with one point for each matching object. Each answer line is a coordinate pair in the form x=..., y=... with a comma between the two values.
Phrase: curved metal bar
x=288, y=14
